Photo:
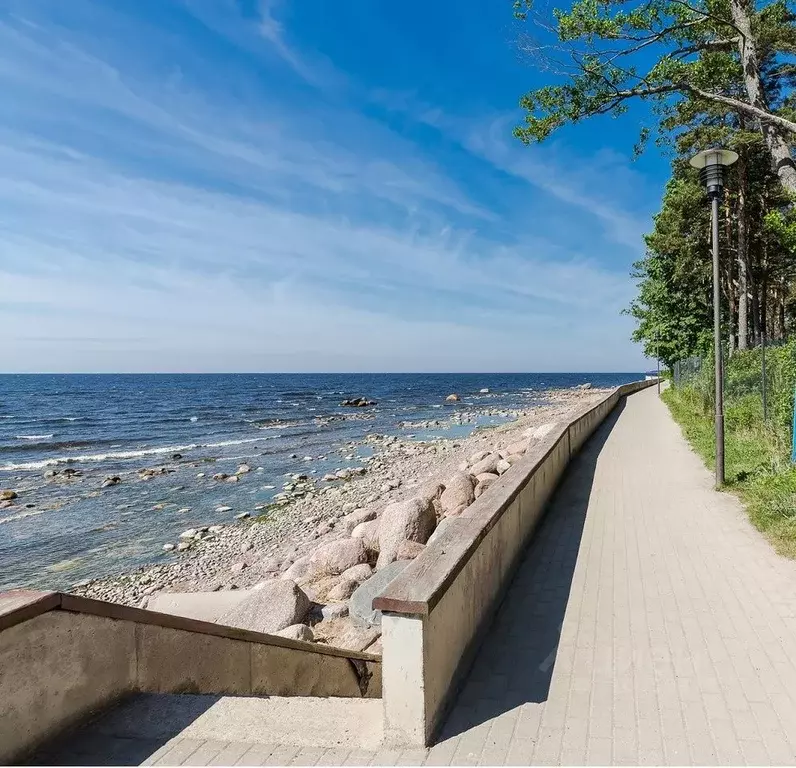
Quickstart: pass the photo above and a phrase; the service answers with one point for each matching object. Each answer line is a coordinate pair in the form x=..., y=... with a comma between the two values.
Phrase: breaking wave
x=93, y=457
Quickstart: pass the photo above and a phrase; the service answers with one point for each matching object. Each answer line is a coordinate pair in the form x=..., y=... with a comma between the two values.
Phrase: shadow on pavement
x=127, y=733
x=515, y=662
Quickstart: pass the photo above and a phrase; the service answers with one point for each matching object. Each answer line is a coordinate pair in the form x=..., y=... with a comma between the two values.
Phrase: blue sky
x=229, y=185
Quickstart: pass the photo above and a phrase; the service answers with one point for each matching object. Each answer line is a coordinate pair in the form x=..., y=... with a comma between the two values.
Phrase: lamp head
x=711, y=164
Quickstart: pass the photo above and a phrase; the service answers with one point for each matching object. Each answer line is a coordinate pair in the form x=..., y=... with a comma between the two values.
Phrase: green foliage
x=756, y=468
x=743, y=395
x=679, y=56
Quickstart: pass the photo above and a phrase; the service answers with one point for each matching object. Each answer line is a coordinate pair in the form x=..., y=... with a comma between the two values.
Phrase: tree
x=673, y=307
x=715, y=55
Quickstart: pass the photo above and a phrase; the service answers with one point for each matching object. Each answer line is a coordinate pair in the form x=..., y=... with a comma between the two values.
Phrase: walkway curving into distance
x=648, y=623
x=677, y=621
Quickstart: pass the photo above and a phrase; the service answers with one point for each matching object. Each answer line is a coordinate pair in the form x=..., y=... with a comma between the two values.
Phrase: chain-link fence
x=758, y=386
x=684, y=371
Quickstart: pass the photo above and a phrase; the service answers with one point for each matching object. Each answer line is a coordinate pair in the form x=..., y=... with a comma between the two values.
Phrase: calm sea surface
x=57, y=533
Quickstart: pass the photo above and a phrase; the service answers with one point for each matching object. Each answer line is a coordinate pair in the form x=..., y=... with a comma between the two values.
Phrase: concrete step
x=144, y=726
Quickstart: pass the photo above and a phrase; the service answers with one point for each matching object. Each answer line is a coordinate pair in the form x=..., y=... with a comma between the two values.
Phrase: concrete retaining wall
x=436, y=611
x=63, y=658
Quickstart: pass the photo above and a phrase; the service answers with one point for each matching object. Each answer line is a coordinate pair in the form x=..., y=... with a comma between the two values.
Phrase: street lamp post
x=711, y=164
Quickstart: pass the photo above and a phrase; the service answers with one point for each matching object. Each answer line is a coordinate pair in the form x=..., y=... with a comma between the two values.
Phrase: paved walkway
x=648, y=623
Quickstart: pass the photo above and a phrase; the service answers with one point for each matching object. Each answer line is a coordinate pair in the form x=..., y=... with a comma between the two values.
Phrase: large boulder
x=431, y=492
x=298, y=570
x=444, y=524
x=487, y=464
x=272, y=606
x=517, y=448
x=413, y=519
x=457, y=495
x=369, y=533
x=297, y=632
x=204, y=606
x=337, y=556
x=358, y=573
x=476, y=457
x=342, y=633
x=409, y=550
x=360, y=607
x=342, y=590
x=352, y=520
x=485, y=480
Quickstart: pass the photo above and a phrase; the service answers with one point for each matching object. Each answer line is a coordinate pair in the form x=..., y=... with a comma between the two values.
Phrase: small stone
x=215, y=528
x=237, y=568
x=108, y=481
x=242, y=515
x=183, y=545
x=453, y=398
x=502, y=466
x=268, y=565
x=168, y=547
x=334, y=611
x=200, y=475
x=246, y=546
x=223, y=508
x=189, y=534
x=233, y=479
x=243, y=469
x=220, y=476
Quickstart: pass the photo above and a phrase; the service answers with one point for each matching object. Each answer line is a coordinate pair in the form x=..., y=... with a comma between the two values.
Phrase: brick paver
x=648, y=623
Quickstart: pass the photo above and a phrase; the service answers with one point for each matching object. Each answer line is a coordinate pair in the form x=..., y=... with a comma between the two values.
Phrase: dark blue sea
x=57, y=533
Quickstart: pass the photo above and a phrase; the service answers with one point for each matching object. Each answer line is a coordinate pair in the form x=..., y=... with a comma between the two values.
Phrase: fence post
x=765, y=405
x=793, y=439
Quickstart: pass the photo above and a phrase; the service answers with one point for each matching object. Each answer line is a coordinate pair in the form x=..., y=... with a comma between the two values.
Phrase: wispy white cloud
x=193, y=229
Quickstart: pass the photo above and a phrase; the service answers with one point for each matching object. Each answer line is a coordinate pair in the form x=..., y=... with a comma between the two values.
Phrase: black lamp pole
x=711, y=164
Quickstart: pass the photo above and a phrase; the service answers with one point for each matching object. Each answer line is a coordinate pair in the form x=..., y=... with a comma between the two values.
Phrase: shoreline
x=308, y=512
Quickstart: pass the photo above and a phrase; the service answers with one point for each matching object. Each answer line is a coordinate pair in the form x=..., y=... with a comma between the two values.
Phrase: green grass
x=757, y=461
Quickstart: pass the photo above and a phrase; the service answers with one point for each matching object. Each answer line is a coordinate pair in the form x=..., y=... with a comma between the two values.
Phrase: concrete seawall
x=435, y=612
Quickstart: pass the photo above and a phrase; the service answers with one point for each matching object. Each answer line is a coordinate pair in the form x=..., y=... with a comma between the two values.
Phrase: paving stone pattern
x=649, y=623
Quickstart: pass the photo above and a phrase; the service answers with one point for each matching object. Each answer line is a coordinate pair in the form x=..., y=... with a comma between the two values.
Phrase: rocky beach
x=307, y=563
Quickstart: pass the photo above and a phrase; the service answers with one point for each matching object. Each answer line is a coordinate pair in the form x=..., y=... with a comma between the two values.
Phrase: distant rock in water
x=7, y=495
x=358, y=402
x=454, y=398
x=587, y=385
x=484, y=391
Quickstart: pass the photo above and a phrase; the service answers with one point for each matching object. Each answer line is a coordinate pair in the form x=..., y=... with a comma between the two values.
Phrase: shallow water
x=58, y=533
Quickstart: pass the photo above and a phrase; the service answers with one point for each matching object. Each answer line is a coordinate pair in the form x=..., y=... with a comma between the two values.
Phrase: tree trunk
x=774, y=136
x=729, y=283
x=743, y=264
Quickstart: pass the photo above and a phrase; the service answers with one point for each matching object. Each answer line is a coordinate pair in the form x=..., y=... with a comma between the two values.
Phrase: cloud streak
x=156, y=223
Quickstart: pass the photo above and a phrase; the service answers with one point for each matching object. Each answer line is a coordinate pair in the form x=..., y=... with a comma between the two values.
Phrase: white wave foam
x=93, y=457
x=33, y=437
x=194, y=418
x=21, y=515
